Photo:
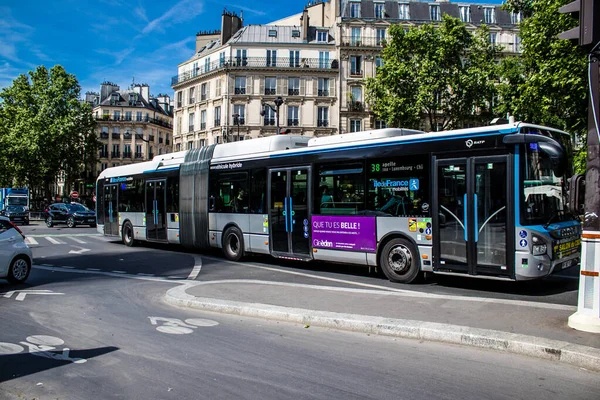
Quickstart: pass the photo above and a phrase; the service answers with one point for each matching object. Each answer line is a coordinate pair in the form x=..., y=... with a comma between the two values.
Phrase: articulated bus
x=486, y=202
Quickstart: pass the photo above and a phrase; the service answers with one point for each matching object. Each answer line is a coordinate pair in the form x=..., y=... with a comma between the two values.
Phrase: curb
x=554, y=350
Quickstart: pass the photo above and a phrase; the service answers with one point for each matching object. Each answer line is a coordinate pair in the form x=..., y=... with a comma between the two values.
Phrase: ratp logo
x=322, y=243
x=469, y=143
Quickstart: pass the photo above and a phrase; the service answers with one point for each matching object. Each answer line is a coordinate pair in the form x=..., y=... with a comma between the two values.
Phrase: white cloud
x=140, y=12
x=250, y=10
x=119, y=56
x=13, y=33
x=183, y=11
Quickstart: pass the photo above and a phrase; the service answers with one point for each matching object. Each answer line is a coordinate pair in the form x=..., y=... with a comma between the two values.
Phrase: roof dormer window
x=295, y=33
x=272, y=33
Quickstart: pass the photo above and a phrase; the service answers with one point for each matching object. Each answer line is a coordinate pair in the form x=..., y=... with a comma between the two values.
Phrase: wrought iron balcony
x=104, y=135
x=293, y=92
x=240, y=90
x=323, y=92
x=138, y=155
x=126, y=154
x=115, y=154
x=127, y=135
x=156, y=121
x=322, y=123
x=356, y=72
x=104, y=154
x=202, y=126
x=269, y=121
x=255, y=62
x=270, y=92
x=362, y=41
x=292, y=122
x=356, y=106
x=116, y=135
x=218, y=122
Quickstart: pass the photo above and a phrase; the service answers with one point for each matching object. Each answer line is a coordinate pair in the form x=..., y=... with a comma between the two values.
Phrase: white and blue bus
x=486, y=202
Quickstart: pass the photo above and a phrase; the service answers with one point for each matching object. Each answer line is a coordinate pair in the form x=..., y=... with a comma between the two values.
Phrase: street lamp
x=278, y=102
x=236, y=121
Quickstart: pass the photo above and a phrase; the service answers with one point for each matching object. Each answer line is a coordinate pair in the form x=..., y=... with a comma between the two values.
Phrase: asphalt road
x=103, y=335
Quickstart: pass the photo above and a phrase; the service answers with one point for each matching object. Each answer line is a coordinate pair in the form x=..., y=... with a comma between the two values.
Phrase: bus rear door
x=472, y=216
x=111, y=214
x=289, y=213
x=156, y=212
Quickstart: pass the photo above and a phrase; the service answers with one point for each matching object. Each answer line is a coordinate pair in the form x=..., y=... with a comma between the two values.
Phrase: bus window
x=258, y=188
x=340, y=189
x=131, y=195
x=173, y=194
x=399, y=186
x=229, y=191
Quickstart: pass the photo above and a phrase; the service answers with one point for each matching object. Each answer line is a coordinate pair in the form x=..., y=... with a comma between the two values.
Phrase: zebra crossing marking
x=77, y=240
x=30, y=240
x=54, y=241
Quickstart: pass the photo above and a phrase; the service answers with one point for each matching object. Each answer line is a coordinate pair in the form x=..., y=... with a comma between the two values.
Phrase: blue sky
x=118, y=40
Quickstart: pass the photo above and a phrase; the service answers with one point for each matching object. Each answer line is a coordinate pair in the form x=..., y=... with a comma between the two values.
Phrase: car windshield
x=17, y=201
x=544, y=193
x=15, y=209
x=78, y=208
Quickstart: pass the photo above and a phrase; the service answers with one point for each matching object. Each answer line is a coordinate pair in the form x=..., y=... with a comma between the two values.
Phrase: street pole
x=587, y=317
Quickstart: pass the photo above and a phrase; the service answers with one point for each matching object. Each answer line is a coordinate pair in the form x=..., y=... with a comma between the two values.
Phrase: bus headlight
x=539, y=249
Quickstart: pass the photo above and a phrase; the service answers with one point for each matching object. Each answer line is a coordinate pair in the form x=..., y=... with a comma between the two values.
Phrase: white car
x=15, y=255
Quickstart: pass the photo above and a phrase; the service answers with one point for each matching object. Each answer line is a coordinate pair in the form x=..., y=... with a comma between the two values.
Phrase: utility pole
x=587, y=35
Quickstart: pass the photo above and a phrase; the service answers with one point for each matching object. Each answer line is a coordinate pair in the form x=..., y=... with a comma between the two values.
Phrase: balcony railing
x=356, y=106
x=155, y=121
x=202, y=126
x=240, y=90
x=322, y=122
x=292, y=122
x=151, y=138
x=127, y=135
x=115, y=154
x=104, y=135
x=160, y=140
x=116, y=135
x=269, y=121
x=238, y=121
x=167, y=142
x=254, y=62
x=104, y=154
x=270, y=92
x=356, y=72
x=191, y=128
x=362, y=41
x=218, y=122
x=293, y=92
x=323, y=92
x=138, y=155
x=126, y=154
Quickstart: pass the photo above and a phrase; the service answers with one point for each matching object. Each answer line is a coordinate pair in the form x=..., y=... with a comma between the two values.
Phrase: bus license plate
x=567, y=264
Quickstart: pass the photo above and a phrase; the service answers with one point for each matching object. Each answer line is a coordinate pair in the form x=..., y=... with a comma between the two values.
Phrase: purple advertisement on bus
x=344, y=233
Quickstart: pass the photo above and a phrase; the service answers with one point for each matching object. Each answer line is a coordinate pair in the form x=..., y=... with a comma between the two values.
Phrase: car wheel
x=233, y=244
x=128, y=239
x=49, y=222
x=71, y=222
x=399, y=261
x=19, y=270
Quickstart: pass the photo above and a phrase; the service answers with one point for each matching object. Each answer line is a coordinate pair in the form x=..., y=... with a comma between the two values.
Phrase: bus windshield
x=544, y=194
x=17, y=201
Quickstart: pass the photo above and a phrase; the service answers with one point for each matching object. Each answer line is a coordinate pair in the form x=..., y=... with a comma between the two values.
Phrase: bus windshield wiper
x=555, y=214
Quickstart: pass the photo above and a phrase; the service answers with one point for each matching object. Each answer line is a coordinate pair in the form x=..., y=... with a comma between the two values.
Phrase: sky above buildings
x=118, y=40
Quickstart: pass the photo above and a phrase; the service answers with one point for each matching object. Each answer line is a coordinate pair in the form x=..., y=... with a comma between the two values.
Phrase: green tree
x=45, y=129
x=547, y=83
x=442, y=72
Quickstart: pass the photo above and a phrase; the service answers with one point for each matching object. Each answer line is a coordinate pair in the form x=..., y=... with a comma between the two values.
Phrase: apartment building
x=361, y=31
x=245, y=81
x=132, y=125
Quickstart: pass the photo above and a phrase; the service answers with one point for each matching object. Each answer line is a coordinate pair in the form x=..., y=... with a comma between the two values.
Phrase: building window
x=191, y=123
x=179, y=99
x=293, y=86
x=240, y=58
x=465, y=13
x=240, y=85
x=190, y=145
x=356, y=93
x=323, y=87
x=322, y=116
x=269, y=117
x=517, y=43
x=207, y=64
x=379, y=124
x=192, y=95
x=295, y=33
x=294, y=58
x=202, y=120
x=323, y=36
x=127, y=151
x=270, y=85
x=128, y=116
x=515, y=18
x=240, y=111
x=271, y=58
x=489, y=15
x=356, y=65
x=202, y=142
x=323, y=59
x=203, y=92
x=379, y=10
x=272, y=33
x=293, y=115
x=221, y=58
x=355, y=125
x=403, y=11
x=380, y=36
x=138, y=151
x=218, y=116
x=434, y=12
x=355, y=38
x=354, y=10
x=138, y=116
x=218, y=87
x=115, y=150
x=117, y=115
x=493, y=38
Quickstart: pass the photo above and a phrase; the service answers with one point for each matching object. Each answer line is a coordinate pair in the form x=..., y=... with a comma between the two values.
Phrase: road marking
x=64, y=266
x=81, y=250
x=21, y=294
x=54, y=241
x=30, y=241
x=112, y=274
x=119, y=272
x=141, y=274
x=66, y=235
x=93, y=269
x=197, y=267
x=77, y=240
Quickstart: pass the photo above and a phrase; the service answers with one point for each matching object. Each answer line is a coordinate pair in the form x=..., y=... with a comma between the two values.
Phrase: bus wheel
x=399, y=261
x=233, y=244
x=128, y=239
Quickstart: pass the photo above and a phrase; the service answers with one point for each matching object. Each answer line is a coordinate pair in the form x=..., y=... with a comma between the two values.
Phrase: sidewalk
x=522, y=327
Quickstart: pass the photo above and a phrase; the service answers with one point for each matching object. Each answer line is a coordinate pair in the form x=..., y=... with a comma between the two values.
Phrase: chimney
x=304, y=21
x=230, y=24
x=106, y=89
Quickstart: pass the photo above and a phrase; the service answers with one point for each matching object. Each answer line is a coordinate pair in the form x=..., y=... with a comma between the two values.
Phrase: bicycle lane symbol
x=41, y=346
x=176, y=326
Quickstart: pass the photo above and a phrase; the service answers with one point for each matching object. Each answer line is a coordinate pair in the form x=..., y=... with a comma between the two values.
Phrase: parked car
x=15, y=255
x=16, y=214
x=71, y=214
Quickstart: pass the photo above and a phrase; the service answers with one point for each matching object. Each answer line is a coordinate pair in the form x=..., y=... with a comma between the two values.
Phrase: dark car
x=16, y=214
x=71, y=214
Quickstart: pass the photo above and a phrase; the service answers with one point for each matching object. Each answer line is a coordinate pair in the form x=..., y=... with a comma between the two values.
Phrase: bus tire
x=127, y=234
x=233, y=244
x=399, y=261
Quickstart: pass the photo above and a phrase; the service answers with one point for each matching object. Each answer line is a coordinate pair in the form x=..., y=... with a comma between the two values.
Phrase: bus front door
x=471, y=219
x=156, y=215
x=111, y=214
x=289, y=212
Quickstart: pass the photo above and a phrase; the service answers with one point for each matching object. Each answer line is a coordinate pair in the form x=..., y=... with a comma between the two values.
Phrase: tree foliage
x=547, y=83
x=442, y=71
x=45, y=129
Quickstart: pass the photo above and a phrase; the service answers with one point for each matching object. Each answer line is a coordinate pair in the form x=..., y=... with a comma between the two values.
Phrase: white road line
x=29, y=240
x=77, y=240
x=119, y=272
x=141, y=274
x=104, y=238
x=197, y=267
x=141, y=278
x=93, y=269
x=65, y=266
x=54, y=241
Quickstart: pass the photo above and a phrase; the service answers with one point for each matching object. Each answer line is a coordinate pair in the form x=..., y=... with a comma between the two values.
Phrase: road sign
x=74, y=194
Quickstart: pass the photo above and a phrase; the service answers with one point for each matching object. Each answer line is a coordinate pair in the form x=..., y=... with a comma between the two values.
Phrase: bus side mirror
x=577, y=194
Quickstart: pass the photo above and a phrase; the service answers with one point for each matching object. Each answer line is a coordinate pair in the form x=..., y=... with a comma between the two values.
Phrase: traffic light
x=588, y=14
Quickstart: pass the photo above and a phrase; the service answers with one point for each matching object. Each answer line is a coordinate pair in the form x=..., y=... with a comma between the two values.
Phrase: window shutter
x=262, y=86
x=302, y=86
x=250, y=85
x=315, y=86
x=207, y=90
x=281, y=85
x=332, y=87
